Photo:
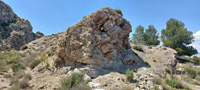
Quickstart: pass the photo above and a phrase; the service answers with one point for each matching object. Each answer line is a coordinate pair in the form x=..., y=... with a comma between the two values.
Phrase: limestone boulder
x=99, y=39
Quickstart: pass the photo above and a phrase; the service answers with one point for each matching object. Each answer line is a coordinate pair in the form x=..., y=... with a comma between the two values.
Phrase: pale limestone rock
x=100, y=39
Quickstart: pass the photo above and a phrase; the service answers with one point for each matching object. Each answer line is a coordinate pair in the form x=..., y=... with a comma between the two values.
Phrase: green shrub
x=119, y=11
x=150, y=47
x=138, y=48
x=39, y=34
x=155, y=88
x=13, y=59
x=174, y=83
x=190, y=70
x=16, y=67
x=24, y=47
x=34, y=64
x=194, y=82
x=147, y=64
x=72, y=81
x=129, y=75
x=135, y=70
x=168, y=70
x=157, y=80
x=195, y=59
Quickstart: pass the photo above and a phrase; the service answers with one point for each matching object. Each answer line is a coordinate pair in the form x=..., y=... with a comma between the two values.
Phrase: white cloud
x=197, y=35
x=196, y=44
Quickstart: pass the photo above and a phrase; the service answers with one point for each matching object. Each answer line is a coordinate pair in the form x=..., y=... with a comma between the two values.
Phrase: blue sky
x=51, y=16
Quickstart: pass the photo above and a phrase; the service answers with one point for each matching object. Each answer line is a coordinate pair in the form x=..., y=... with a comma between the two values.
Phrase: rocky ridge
x=14, y=31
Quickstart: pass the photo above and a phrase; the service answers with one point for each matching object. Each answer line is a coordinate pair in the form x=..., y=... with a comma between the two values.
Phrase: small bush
x=16, y=67
x=195, y=59
x=155, y=88
x=39, y=34
x=13, y=59
x=129, y=75
x=168, y=70
x=135, y=70
x=164, y=48
x=157, y=80
x=34, y=64
x=17, y=75
x=150, y=47
x=23, y=84
x=119, y=11
x=27, y=76
x=7, y=76
x=24, y=47
x=147, y=64
x=138, y=48
x=194, y=82
x=174, y=83
x=72, y=81
x=190, y=70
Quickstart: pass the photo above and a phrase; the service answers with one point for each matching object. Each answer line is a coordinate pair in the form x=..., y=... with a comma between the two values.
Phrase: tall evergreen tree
x=138, y=36
x=151, y=36
x=178, y=37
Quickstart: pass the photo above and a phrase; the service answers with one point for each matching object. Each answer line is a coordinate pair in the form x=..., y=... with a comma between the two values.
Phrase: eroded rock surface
x=99, y=39
x=14, y=31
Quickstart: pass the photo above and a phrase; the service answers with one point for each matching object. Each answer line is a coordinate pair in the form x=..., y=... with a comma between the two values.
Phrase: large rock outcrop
x=100, y=39
x=14, y=31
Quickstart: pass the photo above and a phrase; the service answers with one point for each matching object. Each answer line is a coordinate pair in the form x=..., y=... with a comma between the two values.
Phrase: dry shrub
x=23, y=83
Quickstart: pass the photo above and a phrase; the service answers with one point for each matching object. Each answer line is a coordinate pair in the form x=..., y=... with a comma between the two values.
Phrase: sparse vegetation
x=119, y=11
x=190, y=70
x=34, y=64
x=168, y=70
x=40, y=34
x=24, y=47
x=150, y=47
x=16, y=67
x=129, y=75
x=194, y=59
x=13, y=59
x=135, y=70
x=23, y=83
x=157, y=80
x=138, y=48
x=174, y=83
x=74, y=82
x=155, y=88
x=147, y=64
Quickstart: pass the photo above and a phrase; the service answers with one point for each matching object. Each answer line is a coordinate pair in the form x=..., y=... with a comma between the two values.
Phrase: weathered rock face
x=99, y=39
x=14, y=31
